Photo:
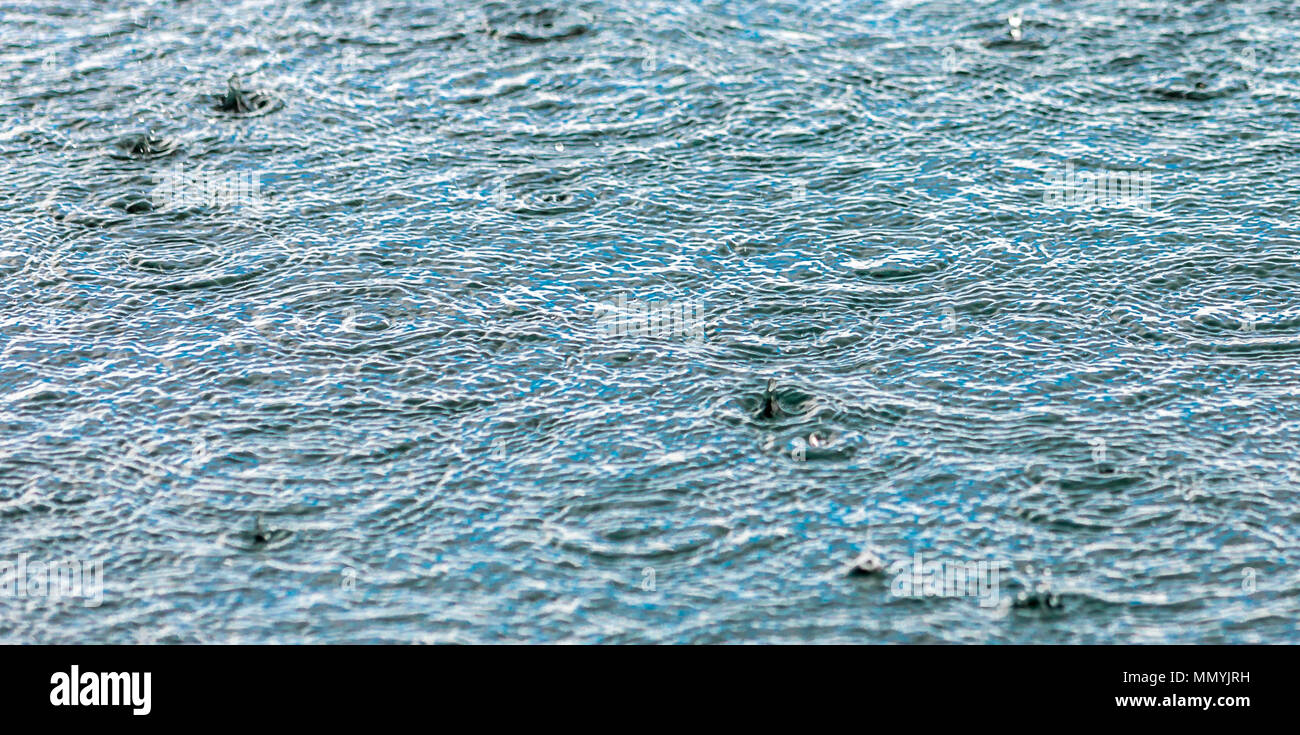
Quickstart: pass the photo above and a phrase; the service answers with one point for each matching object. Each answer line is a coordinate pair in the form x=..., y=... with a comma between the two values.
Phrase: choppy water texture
x=395, y=358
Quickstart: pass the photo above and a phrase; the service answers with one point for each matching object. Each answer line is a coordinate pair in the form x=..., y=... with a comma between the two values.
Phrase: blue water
x=392, y=351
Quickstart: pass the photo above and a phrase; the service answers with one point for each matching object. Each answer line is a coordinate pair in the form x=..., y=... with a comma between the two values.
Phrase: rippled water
x=394, y=348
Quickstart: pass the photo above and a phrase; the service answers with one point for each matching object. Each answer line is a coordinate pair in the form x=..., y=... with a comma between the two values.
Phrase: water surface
x=392, y=353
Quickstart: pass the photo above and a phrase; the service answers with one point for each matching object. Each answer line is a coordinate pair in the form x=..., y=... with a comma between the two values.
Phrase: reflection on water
x=387, y=322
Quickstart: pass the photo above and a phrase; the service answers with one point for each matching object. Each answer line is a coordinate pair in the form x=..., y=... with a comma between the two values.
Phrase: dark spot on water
x=556, y=199
x=867, y=564
x=1038, y=601
x=769, y=405
x=537, y=26
x=240, y=102
x=1198, y=86
x=143, y=146
x=1009, y=42
x=261, y=536
x=547, y=203
x=139, y=206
